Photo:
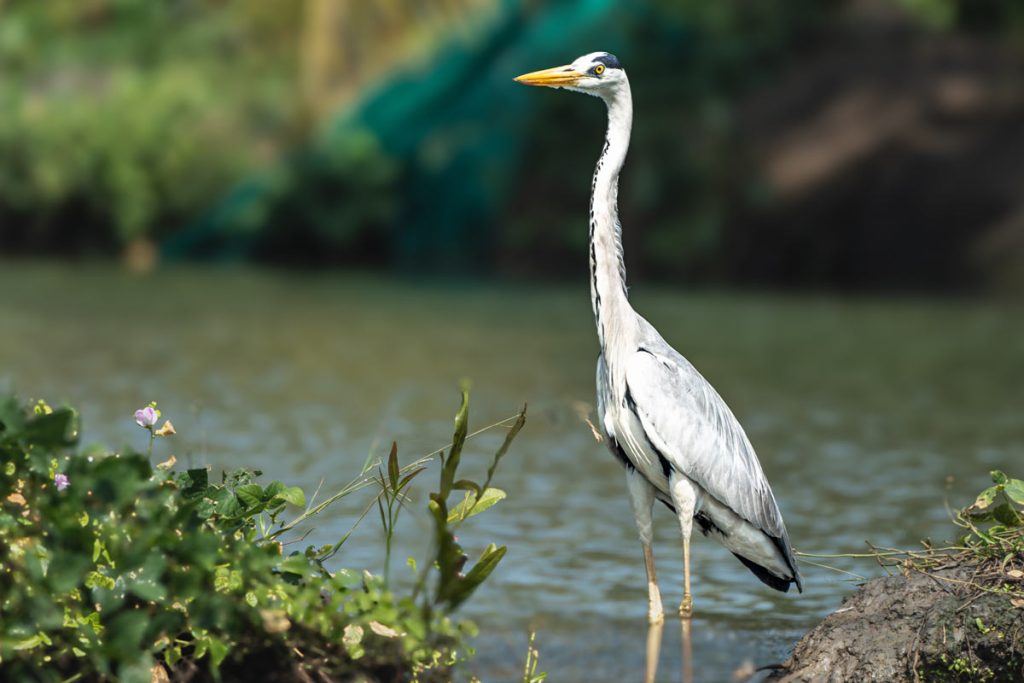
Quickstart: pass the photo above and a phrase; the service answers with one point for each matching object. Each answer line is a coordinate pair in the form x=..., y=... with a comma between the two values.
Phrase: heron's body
x=675, y=435
x=697, y=421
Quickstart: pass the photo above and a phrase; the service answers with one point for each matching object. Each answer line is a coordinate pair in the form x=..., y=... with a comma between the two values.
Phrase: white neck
x=607, y=271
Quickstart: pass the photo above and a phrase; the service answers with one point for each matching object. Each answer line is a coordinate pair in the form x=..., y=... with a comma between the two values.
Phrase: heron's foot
x=655, y=614
x=686, y=606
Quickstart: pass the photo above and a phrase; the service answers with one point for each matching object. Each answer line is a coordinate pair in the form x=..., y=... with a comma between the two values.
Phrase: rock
x=936, y=626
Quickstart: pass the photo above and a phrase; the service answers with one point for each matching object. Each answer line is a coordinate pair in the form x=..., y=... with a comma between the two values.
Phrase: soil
x=923, y=626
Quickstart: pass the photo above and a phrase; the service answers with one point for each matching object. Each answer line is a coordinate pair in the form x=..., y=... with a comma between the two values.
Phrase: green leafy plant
x=996, y=519
x=391, y=499
x=453, y=585
x=113, y=569
x=530, y=674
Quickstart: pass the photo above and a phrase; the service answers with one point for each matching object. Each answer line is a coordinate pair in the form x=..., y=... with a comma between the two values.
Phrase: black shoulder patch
x=621, y=455
x=609, y=60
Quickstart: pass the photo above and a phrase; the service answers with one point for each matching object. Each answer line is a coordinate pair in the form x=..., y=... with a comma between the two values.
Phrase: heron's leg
x=684, y=497
x=655, y=613
x=641, y=495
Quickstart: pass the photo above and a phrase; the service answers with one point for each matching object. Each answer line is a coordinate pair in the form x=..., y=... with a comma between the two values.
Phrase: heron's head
x=598, y=73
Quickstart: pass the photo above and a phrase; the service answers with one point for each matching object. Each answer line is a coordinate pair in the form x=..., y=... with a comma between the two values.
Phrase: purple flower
x=61, y=481
x=146, y=417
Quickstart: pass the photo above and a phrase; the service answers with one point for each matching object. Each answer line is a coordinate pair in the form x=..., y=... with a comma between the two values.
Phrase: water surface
x=866, y=414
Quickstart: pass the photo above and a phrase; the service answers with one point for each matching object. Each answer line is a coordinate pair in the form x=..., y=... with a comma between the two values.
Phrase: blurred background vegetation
x=799, y=143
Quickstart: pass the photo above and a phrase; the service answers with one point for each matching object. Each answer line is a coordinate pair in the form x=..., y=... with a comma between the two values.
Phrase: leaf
x=512, y=432
x=383, y=516
x=172, y=655
x=984, y=499
x=220, y=578
x=409, y=477
x=148, y=588
x=1015, y=491
x=158, y=674
x=393, y=466
x=30, y=643
x=984, y=536
x=250, y=495
x=481, y=570
x=293, y=495
x=194, y=482
x=295, y=564
x=125, y=631
x=382, y=630
x=458, y=513
x=275, y=620
x=1005, y=515
x=167, y=464
x=467, y=485
x=166, y=430
x=228, y=504
x=998, y=477
x=98, y=550
x=218, y=651
x=53, y=430
x=95, y=579
x=352, y=638
x=12, y=417
x=451, y=464
x=469, y=506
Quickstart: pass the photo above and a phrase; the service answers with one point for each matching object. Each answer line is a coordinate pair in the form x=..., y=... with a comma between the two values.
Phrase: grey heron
x=679, y=441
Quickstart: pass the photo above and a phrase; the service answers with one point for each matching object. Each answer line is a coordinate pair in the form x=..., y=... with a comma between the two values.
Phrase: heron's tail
x=776, y=582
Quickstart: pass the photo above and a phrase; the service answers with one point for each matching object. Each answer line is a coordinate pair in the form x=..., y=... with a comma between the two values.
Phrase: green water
x=866, y=415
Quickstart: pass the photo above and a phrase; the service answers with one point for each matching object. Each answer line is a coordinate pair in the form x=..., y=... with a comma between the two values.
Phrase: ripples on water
x=859, y=410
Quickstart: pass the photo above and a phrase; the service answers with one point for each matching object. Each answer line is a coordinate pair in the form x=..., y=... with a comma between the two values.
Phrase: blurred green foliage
x=124, y=119
x=112, y=567
x=993, y=16
x=201, y=125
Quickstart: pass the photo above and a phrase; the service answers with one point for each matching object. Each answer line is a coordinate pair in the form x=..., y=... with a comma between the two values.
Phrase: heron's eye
x=599, y=69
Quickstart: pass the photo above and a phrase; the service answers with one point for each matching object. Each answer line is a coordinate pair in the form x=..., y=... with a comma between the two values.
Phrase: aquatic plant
x=115, y=569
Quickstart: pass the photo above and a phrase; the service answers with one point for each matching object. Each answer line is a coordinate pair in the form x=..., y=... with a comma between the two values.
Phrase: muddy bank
x=949, y=624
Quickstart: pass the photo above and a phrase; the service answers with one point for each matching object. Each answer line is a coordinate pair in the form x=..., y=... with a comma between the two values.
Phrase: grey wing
x=602, y=395
x=693, y=428
x=603, y=423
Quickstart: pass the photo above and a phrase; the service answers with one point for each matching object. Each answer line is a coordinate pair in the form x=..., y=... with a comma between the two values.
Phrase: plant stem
x=365, y=479
x=389, y=532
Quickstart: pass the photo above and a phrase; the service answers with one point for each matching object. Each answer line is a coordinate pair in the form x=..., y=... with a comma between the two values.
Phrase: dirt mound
x=944, y=624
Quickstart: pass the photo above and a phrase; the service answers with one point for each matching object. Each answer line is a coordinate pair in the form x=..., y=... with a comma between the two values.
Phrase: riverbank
x=946, y=614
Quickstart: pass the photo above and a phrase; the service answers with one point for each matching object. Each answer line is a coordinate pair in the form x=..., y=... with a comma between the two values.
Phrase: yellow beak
x=553, y=77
